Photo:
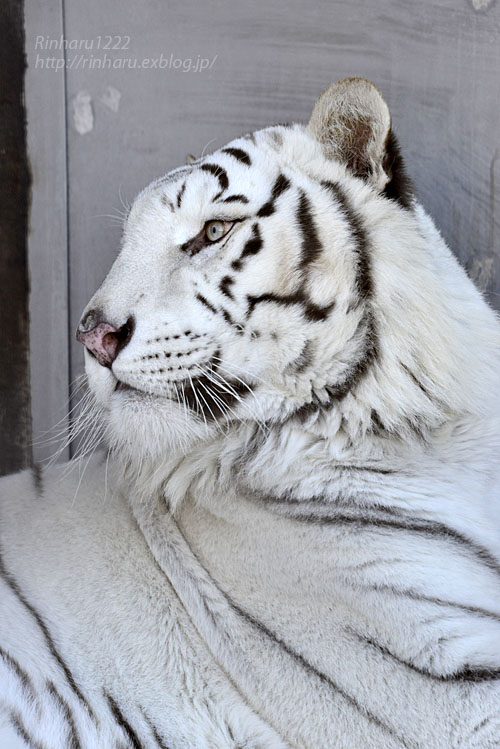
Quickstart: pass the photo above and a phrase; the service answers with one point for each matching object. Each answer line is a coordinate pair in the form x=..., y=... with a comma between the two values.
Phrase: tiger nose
x=101, y=338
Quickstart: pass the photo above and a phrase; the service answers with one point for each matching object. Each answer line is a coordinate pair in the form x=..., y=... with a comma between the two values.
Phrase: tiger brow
x=239, y=198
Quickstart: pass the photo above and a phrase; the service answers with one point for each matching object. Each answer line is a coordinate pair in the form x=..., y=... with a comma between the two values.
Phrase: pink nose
x=103, y=340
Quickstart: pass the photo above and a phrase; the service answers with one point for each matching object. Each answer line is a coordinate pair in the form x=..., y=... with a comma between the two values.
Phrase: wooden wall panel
x=48, y=240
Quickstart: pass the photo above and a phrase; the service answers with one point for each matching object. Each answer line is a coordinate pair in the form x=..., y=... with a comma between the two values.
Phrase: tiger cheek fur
x=294, y=538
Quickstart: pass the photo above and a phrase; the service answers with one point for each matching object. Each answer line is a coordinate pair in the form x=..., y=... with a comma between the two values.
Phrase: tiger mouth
x=125, y=387
x=208, y=368
x=202, y=394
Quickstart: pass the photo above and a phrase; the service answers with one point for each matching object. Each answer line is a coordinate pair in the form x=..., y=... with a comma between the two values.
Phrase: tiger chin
x=293, y=538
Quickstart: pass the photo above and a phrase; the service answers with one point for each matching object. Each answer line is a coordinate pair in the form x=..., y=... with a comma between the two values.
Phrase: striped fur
x=294, y=537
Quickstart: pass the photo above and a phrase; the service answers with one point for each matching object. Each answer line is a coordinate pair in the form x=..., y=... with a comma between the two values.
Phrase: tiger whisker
x=224, y=407
x=197, y=401
x=217, y=425
x=90, y=416
x=85, y=397
x=220, y=382
x=253, y=414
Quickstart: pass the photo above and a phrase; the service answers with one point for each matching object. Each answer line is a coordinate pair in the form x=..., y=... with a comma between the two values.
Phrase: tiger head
x=285, y=278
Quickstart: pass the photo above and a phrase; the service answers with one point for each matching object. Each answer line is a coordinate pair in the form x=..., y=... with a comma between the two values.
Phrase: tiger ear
x=352, y=122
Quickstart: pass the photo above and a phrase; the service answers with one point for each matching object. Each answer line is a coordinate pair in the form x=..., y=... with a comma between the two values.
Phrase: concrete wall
x=99, y=129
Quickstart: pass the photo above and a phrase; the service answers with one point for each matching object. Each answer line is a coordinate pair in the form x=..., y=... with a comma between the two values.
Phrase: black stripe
x=18, y=725
x=154, y=730
x=221, y=175
x=367, y=355
x=65, y=709
x=428, y=528
x=377, y=427
x=224, y=285
x=358, y=369
x=180, y=194
x=46, y=634
x=252, y=247
x=415, y=380
x=416, y=596
x=227, y=317
x=279, y=187
x=311, y=246
x=158, y=738
x=311, y=311
x=234, y=199
x=206, y=303
x=239, y=154
x=20, y=673
x=339, y=502
x=363, y=275
x=123, y=722
x=303, y=360
x=367, y=468
x=222, y=311
x=166, y=201
x=466, y=674
x=324, y=678
x=249, y=450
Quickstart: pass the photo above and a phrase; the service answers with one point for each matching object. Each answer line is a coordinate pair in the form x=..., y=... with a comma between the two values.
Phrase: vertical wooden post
x=15, y=420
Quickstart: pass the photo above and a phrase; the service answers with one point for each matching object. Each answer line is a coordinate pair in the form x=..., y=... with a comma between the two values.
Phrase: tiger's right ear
x=352, y=122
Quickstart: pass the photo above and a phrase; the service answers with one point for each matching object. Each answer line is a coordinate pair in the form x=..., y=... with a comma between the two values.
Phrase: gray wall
x=98, y=133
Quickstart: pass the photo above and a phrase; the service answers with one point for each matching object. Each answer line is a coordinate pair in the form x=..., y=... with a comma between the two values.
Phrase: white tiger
x=295, y=540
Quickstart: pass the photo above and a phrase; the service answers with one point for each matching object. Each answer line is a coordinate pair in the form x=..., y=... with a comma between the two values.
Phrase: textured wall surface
x=103, y=122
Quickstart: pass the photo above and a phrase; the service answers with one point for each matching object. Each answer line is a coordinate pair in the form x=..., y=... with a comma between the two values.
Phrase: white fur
x=201, y=575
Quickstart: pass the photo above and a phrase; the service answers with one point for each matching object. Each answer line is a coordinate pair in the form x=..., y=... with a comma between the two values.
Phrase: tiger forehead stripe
x=220, y=173
x=239, y=154
x=235, y=199
x=180, y=194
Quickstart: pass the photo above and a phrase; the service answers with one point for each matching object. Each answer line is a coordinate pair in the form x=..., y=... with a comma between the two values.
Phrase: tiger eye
x=215, y=230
